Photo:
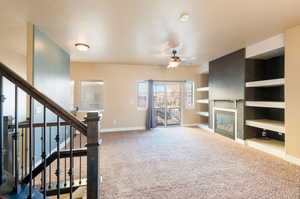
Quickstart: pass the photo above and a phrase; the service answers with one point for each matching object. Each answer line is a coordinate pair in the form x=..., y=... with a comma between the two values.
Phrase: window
x=91, y=95
x=142, y=95
x=189, y=94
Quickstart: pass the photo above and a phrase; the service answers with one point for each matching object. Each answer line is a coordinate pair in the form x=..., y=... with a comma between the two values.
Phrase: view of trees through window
x=142, y=95
x=167, y=100
x=167, y=103
x=189, y=94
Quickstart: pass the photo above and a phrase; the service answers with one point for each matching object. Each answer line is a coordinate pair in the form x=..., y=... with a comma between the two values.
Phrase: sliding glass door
x=167, y=103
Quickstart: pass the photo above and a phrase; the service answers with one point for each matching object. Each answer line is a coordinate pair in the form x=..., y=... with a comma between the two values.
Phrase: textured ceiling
x=133, y=31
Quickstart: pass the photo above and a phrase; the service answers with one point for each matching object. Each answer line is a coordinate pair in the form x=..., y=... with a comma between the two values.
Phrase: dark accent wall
x=227, y=76
x=227, y=81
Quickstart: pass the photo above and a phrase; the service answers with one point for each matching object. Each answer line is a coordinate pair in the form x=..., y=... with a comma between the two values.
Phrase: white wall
x=292, y=95
x=16, y=62
x=120, y=90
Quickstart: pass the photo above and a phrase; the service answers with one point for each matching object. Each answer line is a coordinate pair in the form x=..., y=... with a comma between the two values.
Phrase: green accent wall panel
x=51, y=76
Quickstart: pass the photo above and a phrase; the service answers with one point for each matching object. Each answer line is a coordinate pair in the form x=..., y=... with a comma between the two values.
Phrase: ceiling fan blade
x=170, y=46
x=188, y=58
x=178, y=46
x=186, y=63
x=162, y=55
x=165, y=47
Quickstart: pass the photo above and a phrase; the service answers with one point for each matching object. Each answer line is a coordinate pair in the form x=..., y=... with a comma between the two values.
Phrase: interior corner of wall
x=29, y=52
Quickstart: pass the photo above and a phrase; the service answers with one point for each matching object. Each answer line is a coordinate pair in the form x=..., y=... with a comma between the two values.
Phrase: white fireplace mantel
x=235, y=101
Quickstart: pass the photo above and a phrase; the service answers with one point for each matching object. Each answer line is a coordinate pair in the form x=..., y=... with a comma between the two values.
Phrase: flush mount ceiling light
x=82, y=46
x=184, y=17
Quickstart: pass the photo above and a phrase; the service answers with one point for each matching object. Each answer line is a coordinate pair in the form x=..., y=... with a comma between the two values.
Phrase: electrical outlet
x=114, y=122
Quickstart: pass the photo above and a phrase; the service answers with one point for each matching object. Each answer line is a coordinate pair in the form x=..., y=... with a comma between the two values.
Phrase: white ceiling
x=132, y=31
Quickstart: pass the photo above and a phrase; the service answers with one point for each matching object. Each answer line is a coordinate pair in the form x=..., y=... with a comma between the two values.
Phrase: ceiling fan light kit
x=173, y=64
x=174, y=60
x=82, y=46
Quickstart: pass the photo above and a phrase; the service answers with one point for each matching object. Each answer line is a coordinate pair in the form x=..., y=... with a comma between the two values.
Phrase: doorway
x=167, y=103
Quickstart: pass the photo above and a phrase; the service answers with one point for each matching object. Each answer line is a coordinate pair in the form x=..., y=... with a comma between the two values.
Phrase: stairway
x=51, y=157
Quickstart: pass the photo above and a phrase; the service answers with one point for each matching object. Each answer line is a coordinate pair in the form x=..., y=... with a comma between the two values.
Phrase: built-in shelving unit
x=203, y=89
x=272, y=125
x=264, y=96
x=266, y=104
x=266, y=83
x=204, y=114
x=203, y=101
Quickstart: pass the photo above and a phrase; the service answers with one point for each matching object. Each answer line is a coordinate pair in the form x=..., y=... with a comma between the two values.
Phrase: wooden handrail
x=41, y=98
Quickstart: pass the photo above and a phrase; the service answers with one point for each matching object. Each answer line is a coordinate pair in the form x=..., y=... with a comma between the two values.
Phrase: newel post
x=93, y=156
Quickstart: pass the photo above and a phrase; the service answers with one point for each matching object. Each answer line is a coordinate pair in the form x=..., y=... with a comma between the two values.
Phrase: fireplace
x=225, y=122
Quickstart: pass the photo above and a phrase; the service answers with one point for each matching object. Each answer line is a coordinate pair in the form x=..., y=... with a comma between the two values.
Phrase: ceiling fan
x=175, y=60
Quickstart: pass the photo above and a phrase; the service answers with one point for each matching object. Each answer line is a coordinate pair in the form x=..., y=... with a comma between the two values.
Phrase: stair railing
x=64, y=133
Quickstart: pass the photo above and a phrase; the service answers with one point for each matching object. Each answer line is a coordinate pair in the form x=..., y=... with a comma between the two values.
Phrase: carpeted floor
x=188, y=163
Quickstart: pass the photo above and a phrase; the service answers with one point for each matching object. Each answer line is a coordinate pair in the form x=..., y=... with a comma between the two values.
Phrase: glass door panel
x=173, y=100
x=167, y=103
x=159, y=107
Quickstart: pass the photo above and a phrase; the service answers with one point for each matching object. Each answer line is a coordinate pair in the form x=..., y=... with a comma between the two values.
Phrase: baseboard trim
x=139, y=128
x=284, y=156
x=240, y=141
x=264, y=148
x=292, y=159
x=189, y=125
x=205, y=127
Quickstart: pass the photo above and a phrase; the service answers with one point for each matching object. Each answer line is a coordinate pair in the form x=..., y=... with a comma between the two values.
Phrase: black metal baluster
x=50, y=167
x=41, y=144
x=13, y=153
x=58, y=159
x=26, y=151
x=44, y=153
x=80, y=159
x=1, y=130
x=22, y=152
x=30, y=145
x=16, y=140
x=33, y=149
x=71, y=161
x=65, y=170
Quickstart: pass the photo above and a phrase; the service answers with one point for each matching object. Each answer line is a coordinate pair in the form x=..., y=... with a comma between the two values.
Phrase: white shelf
x=203, y=89
x=266, y=83
x=272, y=125
x=274, y=147
x=205, y=114
x=266, y=49
x=202, y=101
x=266, y=104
